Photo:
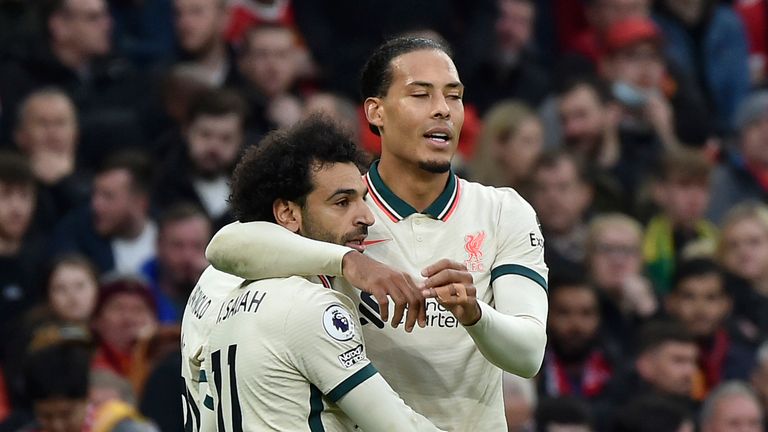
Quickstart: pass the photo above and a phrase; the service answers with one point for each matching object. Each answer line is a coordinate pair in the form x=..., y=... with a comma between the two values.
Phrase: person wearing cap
x=743, y=176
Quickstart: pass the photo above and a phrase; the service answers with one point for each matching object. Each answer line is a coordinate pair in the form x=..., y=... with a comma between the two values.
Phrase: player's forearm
x=374, y=406
x=513, y=343
x=260, y=250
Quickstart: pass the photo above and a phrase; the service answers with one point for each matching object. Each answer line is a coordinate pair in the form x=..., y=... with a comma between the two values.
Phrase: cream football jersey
x=199, y=315
x=438, y=371
x=281, y=352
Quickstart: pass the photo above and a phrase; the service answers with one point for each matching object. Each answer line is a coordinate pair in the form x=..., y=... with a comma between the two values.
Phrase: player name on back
x=248, y=301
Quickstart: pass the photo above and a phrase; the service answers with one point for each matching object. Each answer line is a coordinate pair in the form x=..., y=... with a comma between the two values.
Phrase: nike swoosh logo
x=373, y=242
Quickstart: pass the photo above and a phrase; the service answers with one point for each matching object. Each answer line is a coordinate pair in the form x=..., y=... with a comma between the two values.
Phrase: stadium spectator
x=199, y=172
x=700, y=302
x=707, y=40
x=578, y=361
x=561, y=197
x=244, y=14
x=743, y=252
x=615, y=264
x=115, y=230
x=520, y=402
x=47, y=132
x=268, y=63
x=732, y=407
x=336, y=107
x=510, y=68
x=744, y=173
x=510, y=143
x=651, y=414
x=182, y=234
x=681, y=190
x=602, y=14
x=563, y=414
x=754, y=14
x=200, y=32
x=72, y=289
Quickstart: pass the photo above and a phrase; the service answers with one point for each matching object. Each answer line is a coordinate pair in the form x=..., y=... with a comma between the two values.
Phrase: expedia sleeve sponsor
x=352, y=357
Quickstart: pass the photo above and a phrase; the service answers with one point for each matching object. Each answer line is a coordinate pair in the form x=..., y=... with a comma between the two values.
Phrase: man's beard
x=435, y=167
x=574, y=354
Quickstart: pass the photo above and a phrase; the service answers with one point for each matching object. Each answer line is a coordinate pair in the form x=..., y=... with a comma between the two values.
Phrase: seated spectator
x=743, y=253
x=336, y=107
x=510, y=143
x=652, y=414
x=268, y=64
x=244, y=14
x=519, y=402
x=578, y=361
x=754, y=14
x=681, y=190
x=199, y=173
x=21, y=252
x=199, y=28
x=732, y=406
x=183, y=233
x=602, y=14
x=700, y=302
x=47, y=132
x=561, y=197
x=510, y=69
x=615, y=268
x=562, y=414
x=743, y=176
x=707, y=40
x=114, y=231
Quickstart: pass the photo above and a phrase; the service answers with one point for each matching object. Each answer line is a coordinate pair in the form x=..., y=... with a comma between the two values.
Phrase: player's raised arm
x=260, y=250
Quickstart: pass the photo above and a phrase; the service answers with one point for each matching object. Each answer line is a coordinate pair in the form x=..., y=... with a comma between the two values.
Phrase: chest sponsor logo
x=473, y=245
x=352, y=357
x=338, y=323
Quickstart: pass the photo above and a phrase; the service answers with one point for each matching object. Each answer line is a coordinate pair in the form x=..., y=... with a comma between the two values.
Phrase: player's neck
x=417, y=187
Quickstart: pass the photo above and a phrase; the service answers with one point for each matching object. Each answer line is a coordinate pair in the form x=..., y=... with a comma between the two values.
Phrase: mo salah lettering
x=248, y=301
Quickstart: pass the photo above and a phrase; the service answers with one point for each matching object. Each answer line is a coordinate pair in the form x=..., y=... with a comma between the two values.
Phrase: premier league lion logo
x=338, y=323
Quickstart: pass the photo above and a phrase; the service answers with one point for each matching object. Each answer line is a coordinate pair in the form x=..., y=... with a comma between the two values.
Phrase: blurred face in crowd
x=603, y=13
x=72, y=292
x=700, y=304
x=516, y=152
x=421, y=115
x=199, y=24
x=670, y=367
x=117, y=206
x=181, y=249
x=61, y=414
x=574, y=318
x=214, y=142
x=48, y=123
x=684, y=200
x=754, y=142
x=514, y=25
x=83, y=25
x=123, y=319
x=689, y=11
x=17, y=205
x=584, y=119
x=735, y=413
x=745, y=248
x=269, y=61
x=640, y=65
x=615, y=256
x=560, y=197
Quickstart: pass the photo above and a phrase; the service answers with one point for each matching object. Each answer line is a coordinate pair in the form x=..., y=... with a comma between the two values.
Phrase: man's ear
x=373, y=111
x=287, y=214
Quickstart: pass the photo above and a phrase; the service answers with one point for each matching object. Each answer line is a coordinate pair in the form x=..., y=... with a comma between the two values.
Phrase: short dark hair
x=58, y=371
x=657, y=333
x=217, y=102
x=695, y=267
x=564, y=279
x=552, y=158
x=138, y=165
x=597, y=85
x=45, y=10
x=684, y=165
x=281, y=166
x=376, y=76
x=15, y=169
x=71, y=259
x=562, y=410
x=652, y=413
x=178, y=212
x=245, y=43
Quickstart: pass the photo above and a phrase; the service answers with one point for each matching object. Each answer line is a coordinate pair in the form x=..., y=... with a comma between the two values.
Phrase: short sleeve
x=325, y=344
x=521, y=244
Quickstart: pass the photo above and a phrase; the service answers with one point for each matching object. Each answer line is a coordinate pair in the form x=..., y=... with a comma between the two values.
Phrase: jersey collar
x=397, y=209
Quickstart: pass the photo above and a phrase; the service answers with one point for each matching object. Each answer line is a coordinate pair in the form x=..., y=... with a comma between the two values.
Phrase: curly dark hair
x=376, y=76
x=281, y=166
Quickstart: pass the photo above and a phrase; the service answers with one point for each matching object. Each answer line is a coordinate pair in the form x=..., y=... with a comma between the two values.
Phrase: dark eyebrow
x=351, y=192
x=452, y=85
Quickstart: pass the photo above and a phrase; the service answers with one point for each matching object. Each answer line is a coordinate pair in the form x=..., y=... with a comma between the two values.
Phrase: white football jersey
x=199, y=315
x=281, y=352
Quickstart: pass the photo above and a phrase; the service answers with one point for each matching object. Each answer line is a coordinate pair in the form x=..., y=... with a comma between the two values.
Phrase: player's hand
x=453, y=286
x=381, y=281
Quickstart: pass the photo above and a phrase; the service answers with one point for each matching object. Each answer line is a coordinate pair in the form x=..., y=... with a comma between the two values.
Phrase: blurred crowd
x=637, y=129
